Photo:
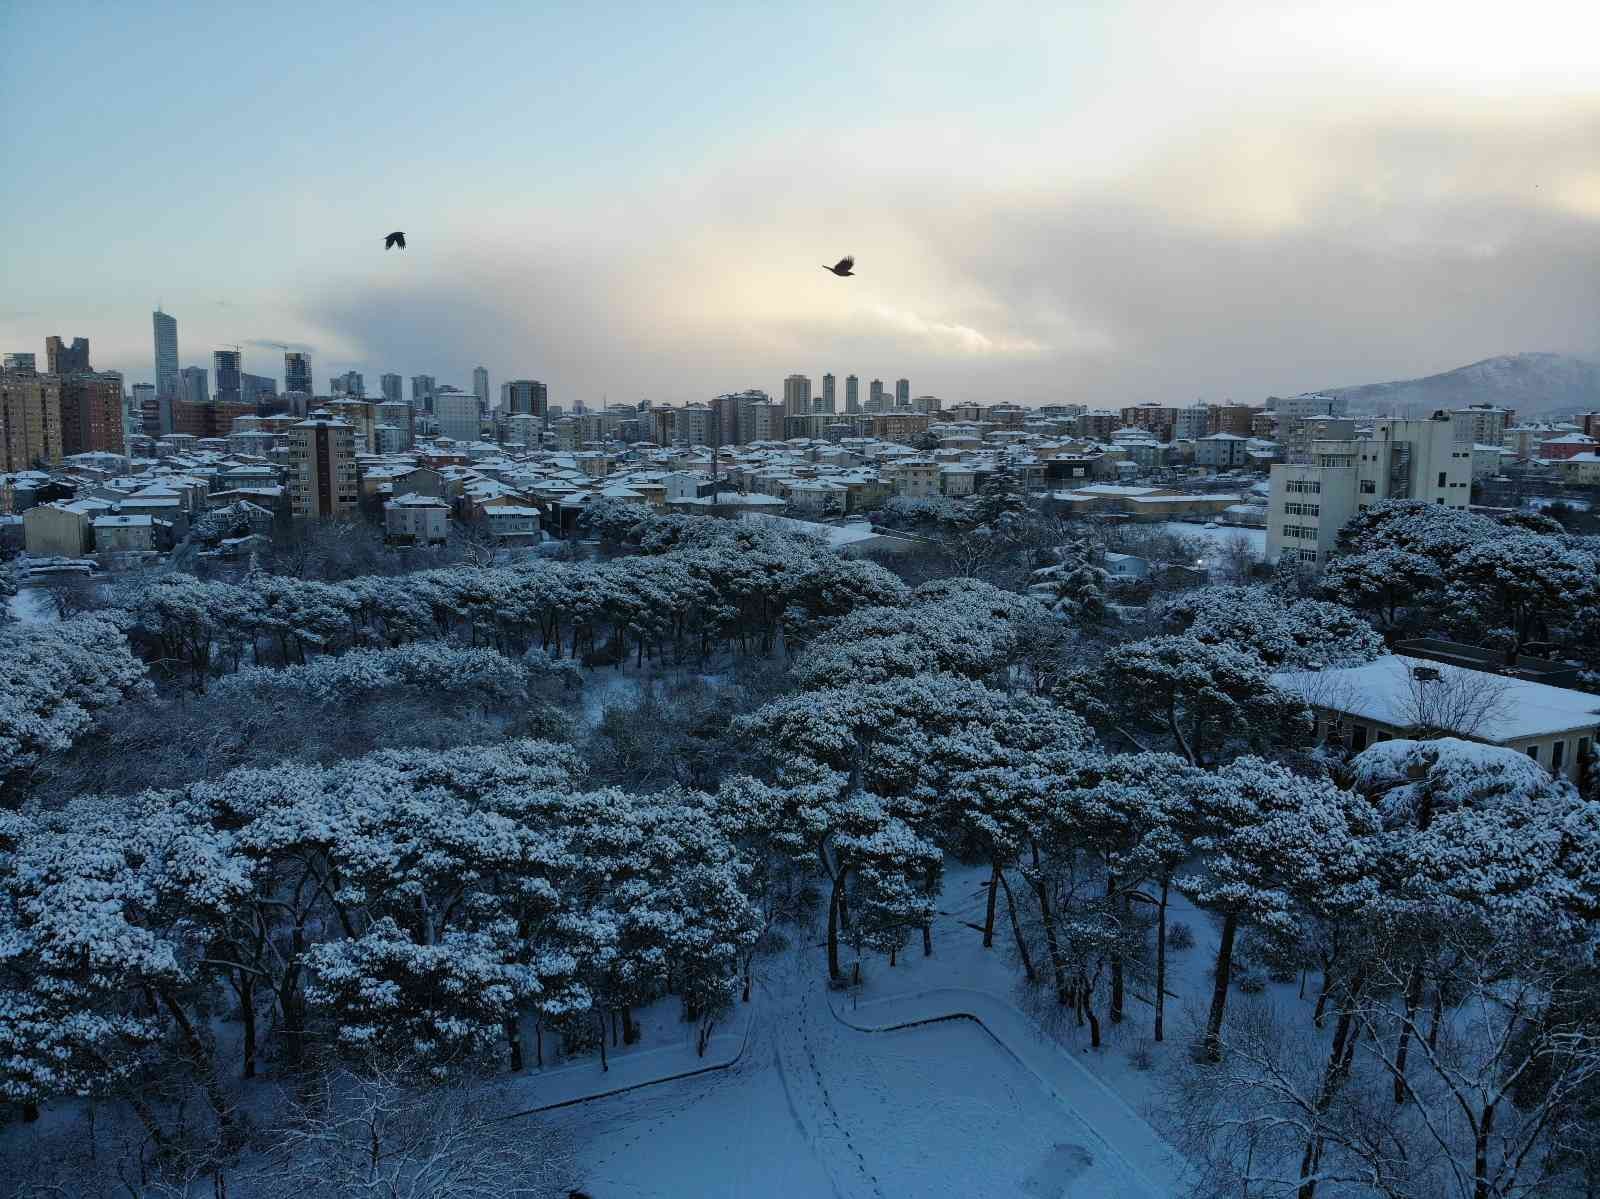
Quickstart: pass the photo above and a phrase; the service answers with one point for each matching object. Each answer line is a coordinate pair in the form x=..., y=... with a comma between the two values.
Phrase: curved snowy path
x=815, y=1108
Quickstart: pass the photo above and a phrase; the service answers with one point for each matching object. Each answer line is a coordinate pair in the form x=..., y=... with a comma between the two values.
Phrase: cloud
x=1252, y=255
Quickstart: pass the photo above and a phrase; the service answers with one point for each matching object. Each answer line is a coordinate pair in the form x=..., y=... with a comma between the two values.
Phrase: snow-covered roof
x=122, y=522
x=1383, y=691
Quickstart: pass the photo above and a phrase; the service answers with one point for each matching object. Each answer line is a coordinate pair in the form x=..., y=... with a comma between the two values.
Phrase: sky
x=1049, y=203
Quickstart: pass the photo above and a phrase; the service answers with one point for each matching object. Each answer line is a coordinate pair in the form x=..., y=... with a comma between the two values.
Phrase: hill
x=1533, y=384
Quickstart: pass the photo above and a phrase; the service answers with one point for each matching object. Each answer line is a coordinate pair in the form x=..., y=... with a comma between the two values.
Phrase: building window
x=1533, y=752
x=1368, y=487
x=1358, y=737
x=1558, y=755
x=1441, y=478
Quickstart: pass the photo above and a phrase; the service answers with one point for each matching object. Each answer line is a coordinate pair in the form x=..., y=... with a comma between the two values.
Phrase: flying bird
x=393, y=240
x=844, y=268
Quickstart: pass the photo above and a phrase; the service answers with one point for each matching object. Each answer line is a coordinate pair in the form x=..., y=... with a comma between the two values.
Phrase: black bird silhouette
x=844, y=268
x=393, y=240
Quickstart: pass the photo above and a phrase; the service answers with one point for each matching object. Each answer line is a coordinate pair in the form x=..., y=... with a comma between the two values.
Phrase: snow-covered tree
x=53, y=679
x=1286, y=635
x=1274, y=845
x=1205, y=697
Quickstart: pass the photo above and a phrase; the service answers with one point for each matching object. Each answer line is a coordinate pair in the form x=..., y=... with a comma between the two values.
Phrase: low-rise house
x=62, y=530
x=416, y=520
x=122, y=534
x=512, y=522
x=1401, y=697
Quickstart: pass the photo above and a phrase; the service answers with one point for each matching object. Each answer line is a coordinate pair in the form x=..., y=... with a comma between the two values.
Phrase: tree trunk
x=834, y=902
x=1117, y=986
x=1161, y=960
x=988, y=919
x=1480, y=1154
x=1094, y=1021
x=515, y=1042
x=927, y=938
x=1219, y=988
x=1413, y=1001
x=1042, y=893
x=605, y=1066
x=247, y=1013
x=1333, y=1075
x=1016, y=932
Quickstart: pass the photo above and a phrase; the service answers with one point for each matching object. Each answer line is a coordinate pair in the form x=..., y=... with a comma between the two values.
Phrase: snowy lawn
x=815, y=1108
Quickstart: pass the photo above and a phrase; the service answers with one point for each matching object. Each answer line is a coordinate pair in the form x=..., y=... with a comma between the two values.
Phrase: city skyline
x=1044, y=206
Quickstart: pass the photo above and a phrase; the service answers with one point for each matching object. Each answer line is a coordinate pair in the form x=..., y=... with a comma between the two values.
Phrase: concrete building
x=852, y=394
x=757, y=419
x=165, y=330
x=1480, y=424
x=214, y=419
x=351, y=383
x=422, y=391
x=91, y=413
x=828, y=402
x=1404, y=459
x=322, y=469
x=1398, y=697
x=257, y=389
x=413, y=519
x=227, y=366
x=62, y=530
x=391, y=385
x=399, y=414
x=480, y=385
x=875, y=396
x=62, y=359
x=193, y=387
x=30, y=420
x=796, y=395
x=457, y=413
x=123, y=534
x=1582, y=470
x=297, y=372
x=19, y=361
x=1221, y=451
x=902, y=393
x=524, y=396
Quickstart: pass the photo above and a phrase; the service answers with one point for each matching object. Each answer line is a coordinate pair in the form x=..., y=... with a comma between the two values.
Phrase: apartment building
x=322, y=468
x=30, y=420
x=1309, y=502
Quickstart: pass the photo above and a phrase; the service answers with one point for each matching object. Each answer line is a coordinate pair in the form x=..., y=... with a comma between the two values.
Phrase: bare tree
x=369, y=1133
x=1442, y=701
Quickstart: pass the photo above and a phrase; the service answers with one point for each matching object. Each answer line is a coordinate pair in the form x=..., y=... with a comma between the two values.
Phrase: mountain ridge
x=1533, y=383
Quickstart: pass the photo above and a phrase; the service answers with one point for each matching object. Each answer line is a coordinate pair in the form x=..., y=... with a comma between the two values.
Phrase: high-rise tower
x=165, y=329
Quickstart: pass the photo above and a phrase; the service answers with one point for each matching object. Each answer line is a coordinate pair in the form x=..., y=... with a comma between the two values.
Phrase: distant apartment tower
x=1481, y=424
x=193, y=387
x=458, y=416
x=30, y=420
x=422, y=392
x=322, y=469
x=796, y=395
x=20, y=362
x=165, y=329
x=227, y=367
x=875, y=396
x=527, y=397
x=852, y=394
x=480, y=386
x=1310, y=502
x=297, y=372
x=402, y=416
x=902, y=393
x=62, y=359
x=392, y=387
x=91, y=413
x=256, y=389
x=827, y=394
x=350, y=384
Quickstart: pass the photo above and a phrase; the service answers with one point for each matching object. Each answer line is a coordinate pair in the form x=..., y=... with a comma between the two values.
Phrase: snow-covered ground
x=32, y=605
x=1222, y=537
x=817, y=1108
